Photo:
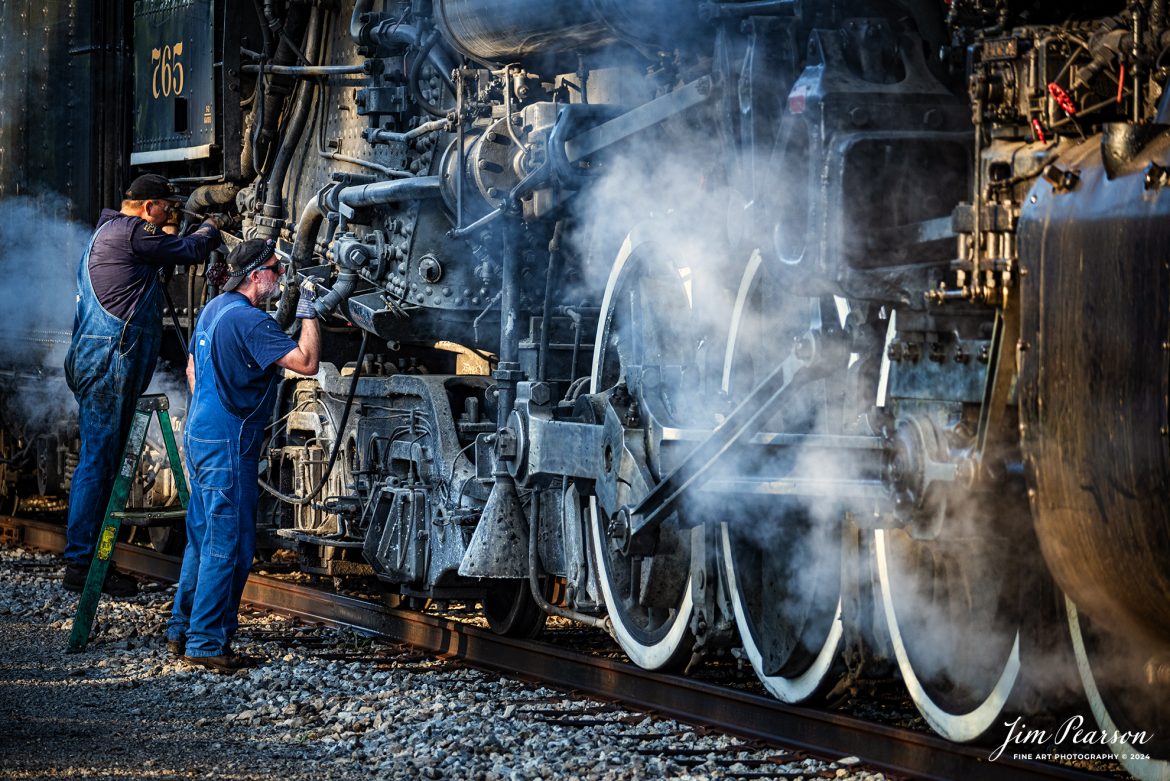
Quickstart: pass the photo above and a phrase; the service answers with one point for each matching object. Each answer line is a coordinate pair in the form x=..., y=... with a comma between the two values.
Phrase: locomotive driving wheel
x=965, y=600
x=1118, y=684
x=788, y=613
x=645, y=321
x=954, y=634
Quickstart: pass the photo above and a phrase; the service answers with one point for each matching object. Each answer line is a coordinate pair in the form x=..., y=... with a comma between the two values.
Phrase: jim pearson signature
x=1070, y=733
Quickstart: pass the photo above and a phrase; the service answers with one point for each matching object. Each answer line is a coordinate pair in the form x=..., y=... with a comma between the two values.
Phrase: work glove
x=220, y=221
x=305, y=308
x=217, y=271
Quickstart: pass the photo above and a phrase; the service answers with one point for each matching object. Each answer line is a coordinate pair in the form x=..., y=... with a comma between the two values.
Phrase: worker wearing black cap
x=117, y=332
x=236, y=355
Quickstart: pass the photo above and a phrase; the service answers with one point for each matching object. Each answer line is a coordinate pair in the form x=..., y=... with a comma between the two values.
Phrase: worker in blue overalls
x=117, y=332
x=236, y=354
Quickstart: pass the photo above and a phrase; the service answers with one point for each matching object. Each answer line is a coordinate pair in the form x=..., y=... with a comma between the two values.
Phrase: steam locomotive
x=825, y=335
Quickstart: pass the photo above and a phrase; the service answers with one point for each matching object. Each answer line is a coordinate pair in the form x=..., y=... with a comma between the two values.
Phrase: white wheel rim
x=1143, y=770
x=785, y=689
x=959, y=727
x=741, y=298
x=655, y=655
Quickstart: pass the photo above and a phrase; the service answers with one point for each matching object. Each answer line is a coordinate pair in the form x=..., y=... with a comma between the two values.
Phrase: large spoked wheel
x=649, y=598
x=952, y=609
x=783, y=571
x=1120, y=697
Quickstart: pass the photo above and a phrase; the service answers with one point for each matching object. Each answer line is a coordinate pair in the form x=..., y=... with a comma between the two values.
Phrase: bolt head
x=540, y=393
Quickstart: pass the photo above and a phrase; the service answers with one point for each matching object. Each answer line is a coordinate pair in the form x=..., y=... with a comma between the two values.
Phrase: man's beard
x=270, y=290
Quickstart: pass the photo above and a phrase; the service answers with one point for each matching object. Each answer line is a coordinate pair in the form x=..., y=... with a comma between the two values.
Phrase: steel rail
x=826, y=735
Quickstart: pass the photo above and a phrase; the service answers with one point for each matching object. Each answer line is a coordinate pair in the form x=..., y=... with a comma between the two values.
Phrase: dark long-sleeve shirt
x=129, y=252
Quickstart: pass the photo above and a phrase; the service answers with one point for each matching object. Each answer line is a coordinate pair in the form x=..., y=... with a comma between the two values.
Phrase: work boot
x=224, y=663
x=117, y=584
x=177, y=647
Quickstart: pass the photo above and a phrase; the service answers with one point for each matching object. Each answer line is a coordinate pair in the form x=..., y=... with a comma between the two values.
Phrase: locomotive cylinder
x=493, y=30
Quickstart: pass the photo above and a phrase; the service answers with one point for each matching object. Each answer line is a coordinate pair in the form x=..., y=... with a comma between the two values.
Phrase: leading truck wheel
x=1117, y=686
x=511, y=611
x=649, y=598
x=788, y=613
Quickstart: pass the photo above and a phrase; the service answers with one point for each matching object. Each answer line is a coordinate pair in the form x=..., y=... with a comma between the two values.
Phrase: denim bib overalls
x=223, y=451
x=108, y=366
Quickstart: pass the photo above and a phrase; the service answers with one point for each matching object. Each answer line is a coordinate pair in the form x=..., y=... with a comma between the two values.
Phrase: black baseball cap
x=245, y=258
x=152, y=187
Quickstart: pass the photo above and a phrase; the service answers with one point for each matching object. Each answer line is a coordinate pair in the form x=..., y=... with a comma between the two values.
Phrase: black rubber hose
x=298, y=118
x=268, y=110
x=358, y=25
x=210, y=195
x=303, y=500
x=416, y=72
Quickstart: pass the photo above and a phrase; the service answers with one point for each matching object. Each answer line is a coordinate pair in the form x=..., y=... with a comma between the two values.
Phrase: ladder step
x=117, y=513
x=138, y=517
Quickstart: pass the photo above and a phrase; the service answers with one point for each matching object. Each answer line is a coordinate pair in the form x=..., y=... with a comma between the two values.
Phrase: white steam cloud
x=667, y=191
x=39, y=253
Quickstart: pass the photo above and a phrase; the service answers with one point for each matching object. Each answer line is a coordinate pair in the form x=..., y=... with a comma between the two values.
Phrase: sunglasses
x=273, y=267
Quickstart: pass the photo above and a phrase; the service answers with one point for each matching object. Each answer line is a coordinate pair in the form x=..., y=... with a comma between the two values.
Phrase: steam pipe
x=553, y=273
x=299, y=115
x=306, y=237
x=351, y=198
x=266, y=109
x=359, y=20
x=508, y=369
x=379, y=136
x=604, y=622
x=416, y=73
x=342, y=289
x=385, y=170
x=309, y=71
x=277, y=27
x=302, y=251
x=389, y=35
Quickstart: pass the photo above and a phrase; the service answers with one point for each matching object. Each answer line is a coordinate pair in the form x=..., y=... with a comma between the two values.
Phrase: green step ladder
x=116, y=511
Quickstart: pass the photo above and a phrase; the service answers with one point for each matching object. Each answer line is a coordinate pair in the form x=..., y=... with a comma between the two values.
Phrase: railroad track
x=829, y=735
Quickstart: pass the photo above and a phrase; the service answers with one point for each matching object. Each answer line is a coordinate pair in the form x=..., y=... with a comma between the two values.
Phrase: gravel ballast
x=326, y=704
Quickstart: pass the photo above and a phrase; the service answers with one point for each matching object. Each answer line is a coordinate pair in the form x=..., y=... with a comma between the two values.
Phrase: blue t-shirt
x=245, y=347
